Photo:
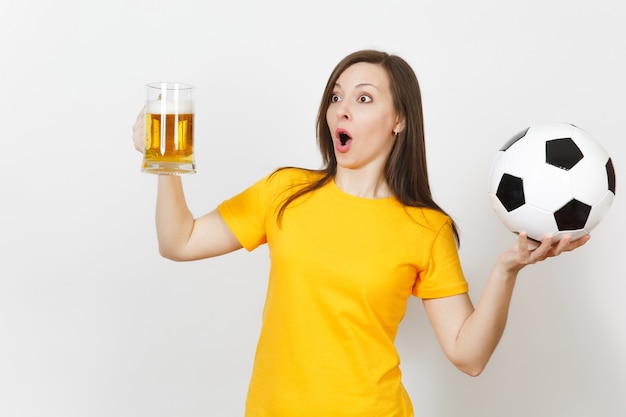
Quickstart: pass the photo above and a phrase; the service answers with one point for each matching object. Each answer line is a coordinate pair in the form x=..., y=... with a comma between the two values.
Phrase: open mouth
x=344, y=138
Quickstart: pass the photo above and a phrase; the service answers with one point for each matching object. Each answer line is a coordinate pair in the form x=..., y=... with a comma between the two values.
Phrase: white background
x=94, y=323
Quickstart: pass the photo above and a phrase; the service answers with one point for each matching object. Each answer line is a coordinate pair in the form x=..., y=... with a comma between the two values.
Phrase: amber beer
x=169, y=132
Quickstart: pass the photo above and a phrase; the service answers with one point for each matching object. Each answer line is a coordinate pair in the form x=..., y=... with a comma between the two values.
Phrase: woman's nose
x=343, y=112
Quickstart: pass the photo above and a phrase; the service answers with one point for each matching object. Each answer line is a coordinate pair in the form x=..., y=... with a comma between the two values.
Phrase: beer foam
x=169, y=107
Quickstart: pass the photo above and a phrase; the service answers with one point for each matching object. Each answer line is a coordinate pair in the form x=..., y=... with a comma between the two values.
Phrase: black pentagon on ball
x=563, y=153
x=610, y=175
x=511, y=192
x=572, y=216
x=514, y=139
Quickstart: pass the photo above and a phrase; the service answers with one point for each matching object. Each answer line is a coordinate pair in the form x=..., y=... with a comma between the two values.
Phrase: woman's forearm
x=482, y=330
x=174, y=221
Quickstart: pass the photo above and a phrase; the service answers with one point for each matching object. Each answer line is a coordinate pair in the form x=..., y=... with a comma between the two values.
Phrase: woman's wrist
x=508, y=267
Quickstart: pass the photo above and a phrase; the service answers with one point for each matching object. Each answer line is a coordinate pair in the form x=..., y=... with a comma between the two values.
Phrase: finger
x=523, y=249
x=578, y=242
x=543, y=250
x=532, y=244
x=139, y=131
x=562, y=245
x=140, y=116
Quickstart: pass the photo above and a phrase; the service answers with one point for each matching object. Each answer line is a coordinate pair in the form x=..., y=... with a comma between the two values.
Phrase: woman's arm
x=181, y=236
x=468, y=335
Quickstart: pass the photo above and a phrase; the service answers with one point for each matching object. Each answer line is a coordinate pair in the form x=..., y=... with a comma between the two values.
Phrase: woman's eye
x=335, y=98
x=364, y=99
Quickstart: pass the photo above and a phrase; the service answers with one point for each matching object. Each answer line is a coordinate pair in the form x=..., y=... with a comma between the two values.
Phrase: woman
x=349, y=244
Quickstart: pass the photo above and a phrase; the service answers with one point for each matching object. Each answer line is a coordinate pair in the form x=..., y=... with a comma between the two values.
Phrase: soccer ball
x=552, y=179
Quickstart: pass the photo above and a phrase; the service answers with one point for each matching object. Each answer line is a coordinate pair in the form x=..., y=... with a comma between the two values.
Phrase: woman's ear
x=400, y=125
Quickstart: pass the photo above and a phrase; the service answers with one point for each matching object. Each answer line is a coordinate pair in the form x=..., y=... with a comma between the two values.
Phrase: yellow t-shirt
x=342, y=269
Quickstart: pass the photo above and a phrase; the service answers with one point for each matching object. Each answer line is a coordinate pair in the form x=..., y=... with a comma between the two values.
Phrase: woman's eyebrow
x=360, y=85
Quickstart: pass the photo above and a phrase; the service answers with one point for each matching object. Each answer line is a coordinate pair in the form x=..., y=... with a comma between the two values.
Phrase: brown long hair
x=405, y=171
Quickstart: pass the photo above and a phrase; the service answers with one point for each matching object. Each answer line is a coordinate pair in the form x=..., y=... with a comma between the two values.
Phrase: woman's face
x=361, y=117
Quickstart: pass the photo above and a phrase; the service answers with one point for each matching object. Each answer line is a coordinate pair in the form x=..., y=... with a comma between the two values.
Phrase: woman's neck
x=362, y=183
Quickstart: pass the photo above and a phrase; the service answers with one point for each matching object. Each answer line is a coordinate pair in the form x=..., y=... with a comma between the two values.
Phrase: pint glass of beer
x=169, y=129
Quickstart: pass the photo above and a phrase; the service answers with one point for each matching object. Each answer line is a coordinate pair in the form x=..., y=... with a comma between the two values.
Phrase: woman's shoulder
x=294, y=176
x=431, y=217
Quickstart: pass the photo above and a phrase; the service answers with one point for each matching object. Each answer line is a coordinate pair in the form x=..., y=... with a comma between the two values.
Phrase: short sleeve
x=245, y=214
x=443, y=275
